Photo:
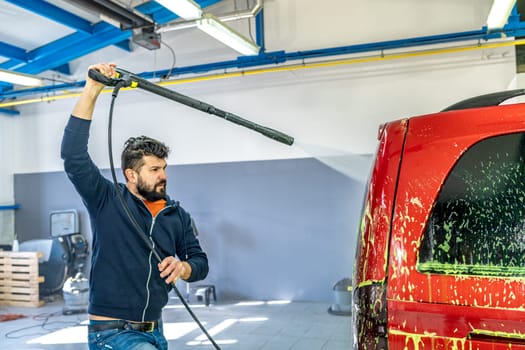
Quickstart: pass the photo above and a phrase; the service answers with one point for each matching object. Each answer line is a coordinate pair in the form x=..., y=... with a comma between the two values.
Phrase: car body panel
x=371, y=259
x=431, y=310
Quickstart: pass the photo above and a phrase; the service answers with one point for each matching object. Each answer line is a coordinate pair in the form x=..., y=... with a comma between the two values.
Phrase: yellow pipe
x=348, y=61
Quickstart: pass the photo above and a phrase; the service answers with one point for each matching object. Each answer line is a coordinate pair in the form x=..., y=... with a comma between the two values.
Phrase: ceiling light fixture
x=187, y=9
x=19, y=78
x=499, y=13
x=215, y=28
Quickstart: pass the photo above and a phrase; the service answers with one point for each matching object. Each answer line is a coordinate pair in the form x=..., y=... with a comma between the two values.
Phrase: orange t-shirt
x=155, y=207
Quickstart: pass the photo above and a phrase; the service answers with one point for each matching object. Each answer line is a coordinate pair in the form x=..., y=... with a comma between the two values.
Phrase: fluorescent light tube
x=19, y=78
x=499, y=13
x=215, y=28
x=187, y=9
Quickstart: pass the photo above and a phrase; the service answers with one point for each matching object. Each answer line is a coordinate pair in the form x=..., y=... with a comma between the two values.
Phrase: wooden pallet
x=19, y=279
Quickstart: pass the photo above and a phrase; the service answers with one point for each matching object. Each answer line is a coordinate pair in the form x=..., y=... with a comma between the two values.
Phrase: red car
x=440, y=259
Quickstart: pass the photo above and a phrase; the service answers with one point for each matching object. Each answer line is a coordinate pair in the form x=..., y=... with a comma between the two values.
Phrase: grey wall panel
x=278, y=229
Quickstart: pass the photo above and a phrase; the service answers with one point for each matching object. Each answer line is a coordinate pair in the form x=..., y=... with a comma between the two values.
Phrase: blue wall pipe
x=9, y=207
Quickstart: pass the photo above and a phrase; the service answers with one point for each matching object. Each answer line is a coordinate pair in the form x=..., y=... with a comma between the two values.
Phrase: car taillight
x=370, y=317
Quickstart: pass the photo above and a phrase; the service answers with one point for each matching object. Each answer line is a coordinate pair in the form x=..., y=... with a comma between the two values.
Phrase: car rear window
x=477, y=225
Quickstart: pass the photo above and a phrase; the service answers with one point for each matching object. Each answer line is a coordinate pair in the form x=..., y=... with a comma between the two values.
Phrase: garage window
x=477, y=225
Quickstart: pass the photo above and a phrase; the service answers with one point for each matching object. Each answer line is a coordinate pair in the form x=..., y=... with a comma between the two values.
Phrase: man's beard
x=151, y=194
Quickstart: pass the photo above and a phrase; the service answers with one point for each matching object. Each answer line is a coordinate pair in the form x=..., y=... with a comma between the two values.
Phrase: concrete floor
x=243, y=325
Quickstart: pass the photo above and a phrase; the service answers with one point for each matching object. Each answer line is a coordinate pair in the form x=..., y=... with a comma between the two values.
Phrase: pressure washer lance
x=128, y=79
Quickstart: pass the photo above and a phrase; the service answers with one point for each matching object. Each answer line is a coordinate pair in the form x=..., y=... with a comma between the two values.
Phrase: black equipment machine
x=65, y=226
x=63, y=262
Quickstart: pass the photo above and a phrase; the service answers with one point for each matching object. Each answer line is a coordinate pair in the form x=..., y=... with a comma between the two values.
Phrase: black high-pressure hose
x=137, y=227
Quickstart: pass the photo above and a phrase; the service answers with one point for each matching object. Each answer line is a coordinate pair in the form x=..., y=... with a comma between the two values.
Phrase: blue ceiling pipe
x=279, y=57
x=514, y=28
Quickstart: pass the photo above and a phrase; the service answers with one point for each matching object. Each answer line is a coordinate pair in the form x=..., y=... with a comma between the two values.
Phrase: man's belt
x=122, y=324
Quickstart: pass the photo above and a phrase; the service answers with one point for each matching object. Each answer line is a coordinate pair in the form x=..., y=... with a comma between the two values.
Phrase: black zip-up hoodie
x=124, y=280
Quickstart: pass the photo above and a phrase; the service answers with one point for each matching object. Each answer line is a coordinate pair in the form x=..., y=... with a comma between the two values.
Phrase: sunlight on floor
x=258, y=303
x=172, y=330
x=70, y=335
x=78, y=335
x=202, y=339
x=253, y=319
x=218, y=328
x=250, y=303
x=278, y=302
x=207, y=342
x=197, y=306
x=176, y=330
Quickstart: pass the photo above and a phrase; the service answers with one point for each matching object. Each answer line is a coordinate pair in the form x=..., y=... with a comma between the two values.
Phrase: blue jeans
x=124, y=339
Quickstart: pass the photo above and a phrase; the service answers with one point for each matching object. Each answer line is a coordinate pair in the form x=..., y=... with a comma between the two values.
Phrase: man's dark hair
x=135, y=148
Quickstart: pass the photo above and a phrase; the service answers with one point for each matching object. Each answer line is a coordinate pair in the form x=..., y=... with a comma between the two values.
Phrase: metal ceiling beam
x=56, y=55
x=66, y=49
x=11, y=51
x=55, y=14
x=124, y=17
x=32, y=62
x=63, y=17
x=87, y=38
x=161, y=15
x=71, y=47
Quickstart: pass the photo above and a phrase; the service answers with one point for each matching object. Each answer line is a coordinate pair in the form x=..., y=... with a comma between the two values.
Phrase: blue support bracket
x=124, y=45
x=259, y=30
x=514, y=16
x=63, y=68
x=10, y=207
x=11, y=112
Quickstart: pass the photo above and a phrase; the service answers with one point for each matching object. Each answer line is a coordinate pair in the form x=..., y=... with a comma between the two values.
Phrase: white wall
x=337, y=107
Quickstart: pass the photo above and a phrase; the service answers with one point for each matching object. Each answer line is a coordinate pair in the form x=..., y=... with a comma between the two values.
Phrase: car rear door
x=448, y=288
